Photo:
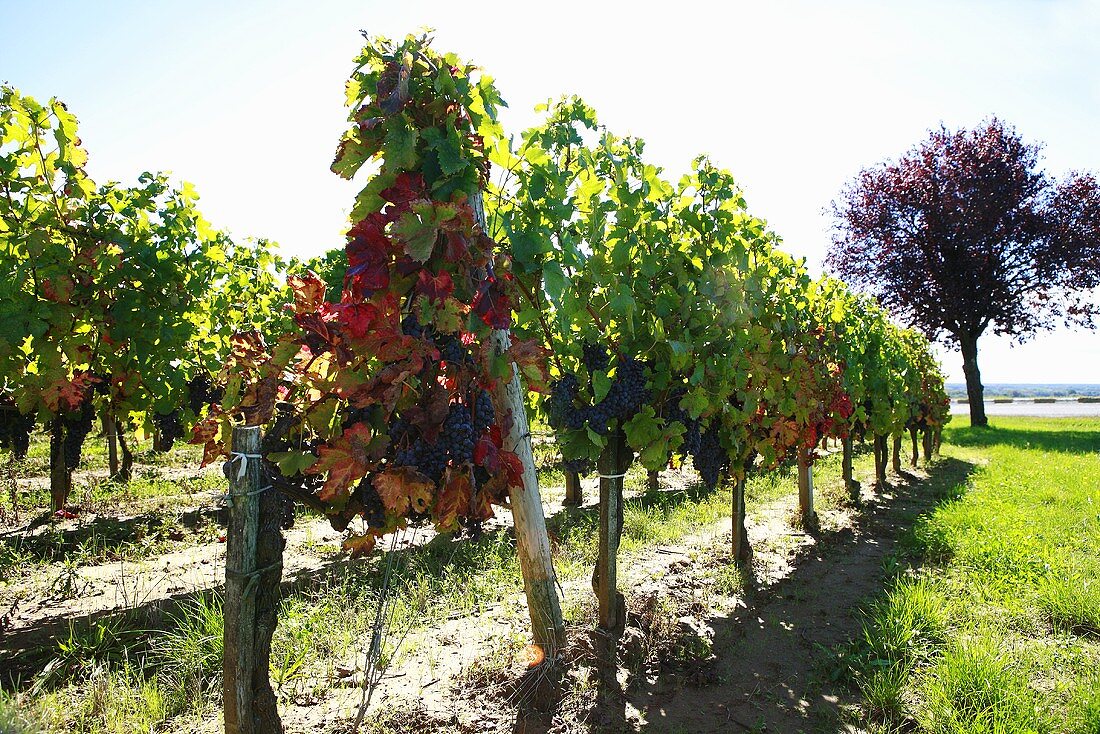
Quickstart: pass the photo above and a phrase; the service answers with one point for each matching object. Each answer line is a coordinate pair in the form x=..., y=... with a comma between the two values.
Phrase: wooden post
x=612, y=464
x=574, y=495
x=126, y=468
x=897, y=453
x=927, y=440
x=532, y=540
x=850, y=484
x=240, y=565
x=741, y=548
x=916, y=453
x=112, y=443
x=61, y=479
x=805, y=486
x=653, y=482
x=937, y=439
x=879, y=446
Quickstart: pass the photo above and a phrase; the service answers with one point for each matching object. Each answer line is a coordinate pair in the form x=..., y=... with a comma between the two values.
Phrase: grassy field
x=988, y=620
x=992, y=622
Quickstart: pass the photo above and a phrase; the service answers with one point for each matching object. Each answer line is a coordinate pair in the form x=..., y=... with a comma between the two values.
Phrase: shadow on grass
x=768, y=651
x=1072, y=441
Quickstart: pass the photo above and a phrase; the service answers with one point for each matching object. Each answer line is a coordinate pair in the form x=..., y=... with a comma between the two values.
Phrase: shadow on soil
x=770, y=651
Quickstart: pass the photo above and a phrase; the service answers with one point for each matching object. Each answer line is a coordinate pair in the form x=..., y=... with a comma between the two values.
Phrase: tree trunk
x=613, y=462
x=937, y=439
x=897, y=453
x=126, y=471
x=653, y=482
x=742, y=551
x=574, y=495
x=974, y=391
x=916, y=451
x=927, y=440
x=850, y=483
x=881, y=459
x=532, y=540
x=112, y=443
x=61, y=479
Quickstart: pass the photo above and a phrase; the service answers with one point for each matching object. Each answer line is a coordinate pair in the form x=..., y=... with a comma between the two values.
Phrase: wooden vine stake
x=61, y=479
x=574, y=495
x=916, y=453
x=850, y=483
x=532, y=540
x=805, y=486
x=112, y=443
x=896, y=460
x=742, y=551
x=881, y=459
x=927, y=441
x=253, y=568
x=613, y=463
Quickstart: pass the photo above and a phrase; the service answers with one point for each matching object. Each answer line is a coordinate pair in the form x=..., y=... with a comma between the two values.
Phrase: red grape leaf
x=513, y=468
x=453, y=501
x=403, y=489
x=347, y=459
x=534, y=363
x=308, y=290
x=435, y=288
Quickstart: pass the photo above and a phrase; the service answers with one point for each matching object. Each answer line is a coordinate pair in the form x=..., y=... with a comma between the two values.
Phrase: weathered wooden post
x=881, y=458
x=253, y=568
x=532, y=540
x=850, y=483
x=897, y=454
x=805, y=486
x=61, y=479
x=613, y=464
x=108, y=423
x=574, y=495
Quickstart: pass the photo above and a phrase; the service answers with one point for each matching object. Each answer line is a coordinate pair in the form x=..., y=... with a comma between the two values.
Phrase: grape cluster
x=625, y=397
x=578, y=466
x=170, y=429
x=201, y=392
x=15, y=430
x=484, y=415
x=451, y=350
x=710, y=458
x=410, y=326
x=561, y=406
x=458, y=434
x=77, y=426
x=595, y=356
x=693, y=434
x=430, y=459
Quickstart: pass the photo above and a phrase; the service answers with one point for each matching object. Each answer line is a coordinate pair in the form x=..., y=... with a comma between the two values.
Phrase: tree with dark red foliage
x=964, y=233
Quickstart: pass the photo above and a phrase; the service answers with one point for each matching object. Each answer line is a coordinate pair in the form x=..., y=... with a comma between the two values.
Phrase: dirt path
x=768, y=647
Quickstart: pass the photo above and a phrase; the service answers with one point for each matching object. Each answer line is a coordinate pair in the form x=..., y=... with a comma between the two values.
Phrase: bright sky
x=245, y=99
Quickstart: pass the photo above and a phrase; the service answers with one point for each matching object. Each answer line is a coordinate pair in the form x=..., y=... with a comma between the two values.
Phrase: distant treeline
x=1014, y=390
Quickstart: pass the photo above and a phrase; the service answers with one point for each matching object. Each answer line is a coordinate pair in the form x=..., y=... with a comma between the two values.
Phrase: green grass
x=993, y=621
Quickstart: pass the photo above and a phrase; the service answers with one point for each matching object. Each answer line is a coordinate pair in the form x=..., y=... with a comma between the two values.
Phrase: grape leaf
x=404, y=489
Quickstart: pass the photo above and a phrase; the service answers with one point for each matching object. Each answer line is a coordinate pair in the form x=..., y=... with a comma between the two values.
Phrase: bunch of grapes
x=201, y=392
x=561, y=406
x=451, y=350
x=710, y=458
x=430, y=459
x=595, y=356
x=410, y=326
x=693, y=434
x=77, y=426
x=15, y=430
x=169, y=427
x=458, y=434
x=577, y=466
x=625, y=397
x=484, y=415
